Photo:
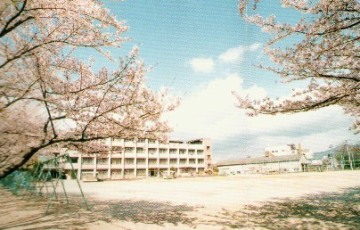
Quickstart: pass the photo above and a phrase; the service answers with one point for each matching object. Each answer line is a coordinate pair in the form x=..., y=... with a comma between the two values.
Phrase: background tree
x=326, y=57
x=49, y=98
x=348, y=156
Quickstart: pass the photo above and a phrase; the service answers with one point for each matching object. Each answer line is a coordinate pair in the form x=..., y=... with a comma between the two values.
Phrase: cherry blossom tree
x=49, y=98
x=325, y=56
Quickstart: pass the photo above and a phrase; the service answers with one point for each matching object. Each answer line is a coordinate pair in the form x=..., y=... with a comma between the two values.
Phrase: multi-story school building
x=144, y=158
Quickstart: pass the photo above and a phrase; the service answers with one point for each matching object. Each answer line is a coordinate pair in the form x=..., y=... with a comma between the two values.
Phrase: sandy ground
x=326, y=200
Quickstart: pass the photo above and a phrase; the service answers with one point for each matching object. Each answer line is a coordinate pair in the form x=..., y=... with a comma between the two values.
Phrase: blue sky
x=202, y=51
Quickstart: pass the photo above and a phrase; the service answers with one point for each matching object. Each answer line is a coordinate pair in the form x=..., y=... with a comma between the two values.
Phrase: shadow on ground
x=20, y=212
x=146, y=212
x=323, y=211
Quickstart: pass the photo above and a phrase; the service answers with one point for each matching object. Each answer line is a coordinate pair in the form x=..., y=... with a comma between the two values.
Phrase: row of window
x=117, y=161
x=117, y=173
x=163, y=151
x=152, y=141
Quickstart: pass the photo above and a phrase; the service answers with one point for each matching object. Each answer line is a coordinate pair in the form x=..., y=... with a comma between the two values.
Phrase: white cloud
x=202, y=65
x=233, y=55
x=255, y=46
x=238, y=54
x=315, y=140
x=210, y=111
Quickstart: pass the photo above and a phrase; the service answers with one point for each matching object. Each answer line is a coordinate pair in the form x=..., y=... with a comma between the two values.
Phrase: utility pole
x=342, y=157
x=350, y=160
x=333, y=160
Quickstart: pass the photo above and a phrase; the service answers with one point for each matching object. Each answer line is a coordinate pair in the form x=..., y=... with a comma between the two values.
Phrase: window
x=140, y=150
x=152, y=141
x=141, y=162
x=182, y=151
x=152, y=162
x=116, y=148
x=129, y=161
x=173, y=151
x=115, y=161
x=152, y=151
x=88, y=160
x=102, y=161
x=129, y=149
x=74, y=160
x=115, y=172
x=200, y=152
x=191, y=151
x=162, y=151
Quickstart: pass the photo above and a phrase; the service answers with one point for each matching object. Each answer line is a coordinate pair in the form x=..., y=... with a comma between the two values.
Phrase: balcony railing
x=116, y=155
x=141, y=166
x=141, y=155
x=87, y=166
x=129, y=166
x=117, y=142
x=102, y=166
x=130, y=155
x=68, y=166
x=153, y=155
x=116, y=166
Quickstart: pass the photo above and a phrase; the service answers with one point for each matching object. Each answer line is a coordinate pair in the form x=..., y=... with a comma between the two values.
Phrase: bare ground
x=328, y=200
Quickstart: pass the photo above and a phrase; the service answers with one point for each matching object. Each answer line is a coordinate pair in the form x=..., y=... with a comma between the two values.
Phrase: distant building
x=276, y=159
x=263, y=165
x=289, y=149
x=281, y=150
x=144, y=158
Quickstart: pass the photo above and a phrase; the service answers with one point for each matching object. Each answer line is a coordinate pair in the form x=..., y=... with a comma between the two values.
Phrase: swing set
x=48, y=175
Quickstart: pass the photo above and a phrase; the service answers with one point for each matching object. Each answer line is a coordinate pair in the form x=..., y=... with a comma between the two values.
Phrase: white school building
x=276, y=159
x=263, y=165
x=144, y=158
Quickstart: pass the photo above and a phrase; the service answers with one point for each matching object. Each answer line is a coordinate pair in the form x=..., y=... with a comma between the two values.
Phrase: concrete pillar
x=135, y=161
x=123, y=161
x=95, y=162
x=196, y=163
x=168, y=159
x=79, y=166
x=109, y=165
x=178, y=160
x=147, y=157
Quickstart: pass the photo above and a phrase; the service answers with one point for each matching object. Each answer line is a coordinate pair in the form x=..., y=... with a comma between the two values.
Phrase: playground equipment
x=46, y=178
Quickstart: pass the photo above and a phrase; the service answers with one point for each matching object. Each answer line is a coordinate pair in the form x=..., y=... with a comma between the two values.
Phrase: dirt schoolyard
x=326, y=200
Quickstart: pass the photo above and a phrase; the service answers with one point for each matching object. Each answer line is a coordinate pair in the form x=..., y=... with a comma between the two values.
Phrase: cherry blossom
x=325, y=57
x=49, y=98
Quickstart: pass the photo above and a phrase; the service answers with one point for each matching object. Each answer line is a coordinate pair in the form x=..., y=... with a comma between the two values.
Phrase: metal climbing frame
x=48, y=174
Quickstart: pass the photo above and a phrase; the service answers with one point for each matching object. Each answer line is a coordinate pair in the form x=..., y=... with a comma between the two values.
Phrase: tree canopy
x=325, y=57
x=48, y=97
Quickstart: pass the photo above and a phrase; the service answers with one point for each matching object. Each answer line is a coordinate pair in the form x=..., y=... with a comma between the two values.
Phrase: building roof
x=258, y=160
